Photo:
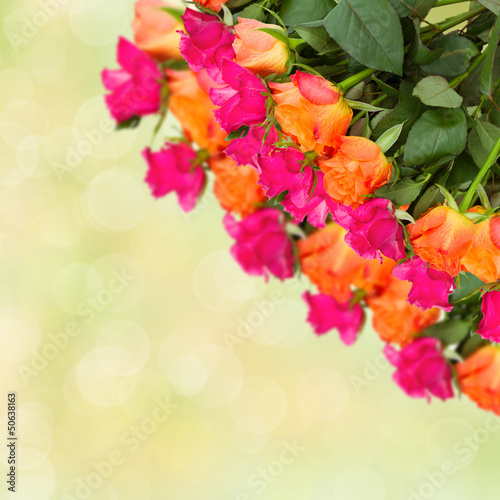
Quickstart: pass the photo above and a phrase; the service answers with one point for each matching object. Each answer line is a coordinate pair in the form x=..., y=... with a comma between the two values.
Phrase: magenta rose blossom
x=206, y=43
x=430, y=288
x=325, y=314
x=136, y=88
x=489, y=326
x=422, y=370
x=241, y=100
x=262, y=244
x=372, y=229
x=246, y=150
x=283, y=170
x=171, y=169
x=309, y=200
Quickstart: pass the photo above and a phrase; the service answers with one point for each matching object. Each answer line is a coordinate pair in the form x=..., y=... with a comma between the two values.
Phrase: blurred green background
x=147, y=365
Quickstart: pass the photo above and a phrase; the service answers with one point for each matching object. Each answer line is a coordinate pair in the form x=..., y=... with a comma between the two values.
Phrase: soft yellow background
x=90, y=410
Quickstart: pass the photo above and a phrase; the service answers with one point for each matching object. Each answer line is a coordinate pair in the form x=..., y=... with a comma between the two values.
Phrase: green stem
x=375, y=102
x=440, y=3
x=484, y=99
x=355, y=79
x=343, y=63
x=430, y=33
x=464, y=206
x=379, y=99
x=458, y=79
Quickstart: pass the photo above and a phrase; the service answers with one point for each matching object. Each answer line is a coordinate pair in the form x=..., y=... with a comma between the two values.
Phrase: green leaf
x=228, y=17
x=476, y=149
x=401, y=8
x=450, y=200
x=130, y=123
x=421, y=7
x=318, y=38
x=254, y=11
x=390, y=91
x=493, y=5
x=487, y=82
x=458, y=51
x=370, y=32
x=363, y=106
x=468, y=285
x=451, y=331
x=472, y=344
x=389, y=138
x=418, y=52
x=436, y=133
x=470, y=88
x=408, y=110
x=402, y=215
x=436, y=91
x=175, y=13
x=297, y=12
x=464, y=170
x=403, y=192
x=241, y=132
x=488, y=134
x=277, y=33
x=428, y=200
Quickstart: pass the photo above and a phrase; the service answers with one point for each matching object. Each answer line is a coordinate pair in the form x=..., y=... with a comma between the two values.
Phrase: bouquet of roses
x=352, y=141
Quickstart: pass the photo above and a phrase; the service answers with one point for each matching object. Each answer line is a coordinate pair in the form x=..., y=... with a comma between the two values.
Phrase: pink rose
x=309, y=200
x=241, y=100
x=136, y=88
x=421, y=369
x=430, y=288
x=489, y=326
x=325, y=314
x=372, y=229
x=245, y=150
x=171, y=169
x=206, y=43
x=283, y=170
x=262, y=244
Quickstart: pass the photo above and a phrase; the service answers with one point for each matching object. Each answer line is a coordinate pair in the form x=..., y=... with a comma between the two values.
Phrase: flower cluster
x=353, y=202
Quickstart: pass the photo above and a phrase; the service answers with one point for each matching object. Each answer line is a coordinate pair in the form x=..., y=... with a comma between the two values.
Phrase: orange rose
x=258, y=51
x=155, y=31
x=359, y=168
x=479, y=377
x=214, y=5
x=394, y=319
x=442, y=237
x=376, y=277
x=190, y=104
x=235, y=187
x=483, y=259
x=312, y=111
x=330, y=263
